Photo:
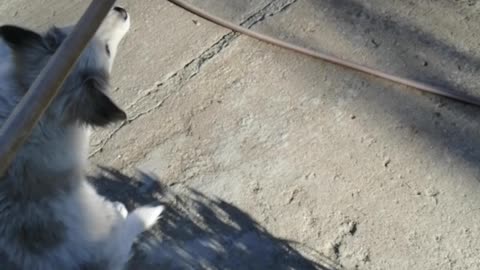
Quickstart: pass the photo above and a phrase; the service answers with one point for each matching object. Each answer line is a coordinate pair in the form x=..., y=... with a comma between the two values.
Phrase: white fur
x=93, y=219
x=120, y=207
x=138, y=221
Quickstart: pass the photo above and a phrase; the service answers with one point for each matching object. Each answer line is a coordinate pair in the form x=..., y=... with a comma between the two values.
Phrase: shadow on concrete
x=198, y=232
x=404, y=49
x=416, y=54
x=420, y=52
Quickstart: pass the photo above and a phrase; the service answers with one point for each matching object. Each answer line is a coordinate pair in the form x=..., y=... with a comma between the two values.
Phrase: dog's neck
x=52, y=161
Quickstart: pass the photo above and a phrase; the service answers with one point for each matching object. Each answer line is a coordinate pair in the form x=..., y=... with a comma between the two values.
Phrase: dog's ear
x=18, y=38
x=54, y=38
x=29, y=50
x=95, y=107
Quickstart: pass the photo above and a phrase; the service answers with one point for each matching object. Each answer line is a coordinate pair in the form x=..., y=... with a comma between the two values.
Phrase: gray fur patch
x=38, y=237
x=29, y=227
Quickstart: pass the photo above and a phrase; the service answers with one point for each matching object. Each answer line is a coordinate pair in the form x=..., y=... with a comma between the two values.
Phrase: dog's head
x=84, y=96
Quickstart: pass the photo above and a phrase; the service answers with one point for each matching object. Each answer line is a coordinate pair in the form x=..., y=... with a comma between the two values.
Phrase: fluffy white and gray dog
x=51, y=217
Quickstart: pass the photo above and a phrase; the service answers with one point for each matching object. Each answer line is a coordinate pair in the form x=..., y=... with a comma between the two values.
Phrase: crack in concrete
x=177, y=80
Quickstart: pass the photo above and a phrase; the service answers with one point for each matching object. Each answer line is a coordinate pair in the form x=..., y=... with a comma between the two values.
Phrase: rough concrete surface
x=272, y=160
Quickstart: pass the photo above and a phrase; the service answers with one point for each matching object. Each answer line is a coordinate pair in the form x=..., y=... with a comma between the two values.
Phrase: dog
x=51, y=217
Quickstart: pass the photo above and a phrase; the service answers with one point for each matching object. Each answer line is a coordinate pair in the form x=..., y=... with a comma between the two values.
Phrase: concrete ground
x=272, y=160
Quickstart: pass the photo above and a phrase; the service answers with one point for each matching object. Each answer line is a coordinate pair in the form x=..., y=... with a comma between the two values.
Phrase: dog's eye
x=107, y=49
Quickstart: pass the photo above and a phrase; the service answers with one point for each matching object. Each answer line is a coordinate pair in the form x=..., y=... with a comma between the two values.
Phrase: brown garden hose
x=330, y=58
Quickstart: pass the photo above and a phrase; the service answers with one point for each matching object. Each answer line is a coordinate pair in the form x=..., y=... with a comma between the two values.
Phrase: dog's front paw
x=147, y=215
x=120, y=207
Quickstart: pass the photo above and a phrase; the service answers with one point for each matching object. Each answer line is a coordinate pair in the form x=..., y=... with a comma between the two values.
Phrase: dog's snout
x=122, y=12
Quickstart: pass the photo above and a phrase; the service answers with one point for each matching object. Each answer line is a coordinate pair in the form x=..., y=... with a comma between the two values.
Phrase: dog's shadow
x=197, y=232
